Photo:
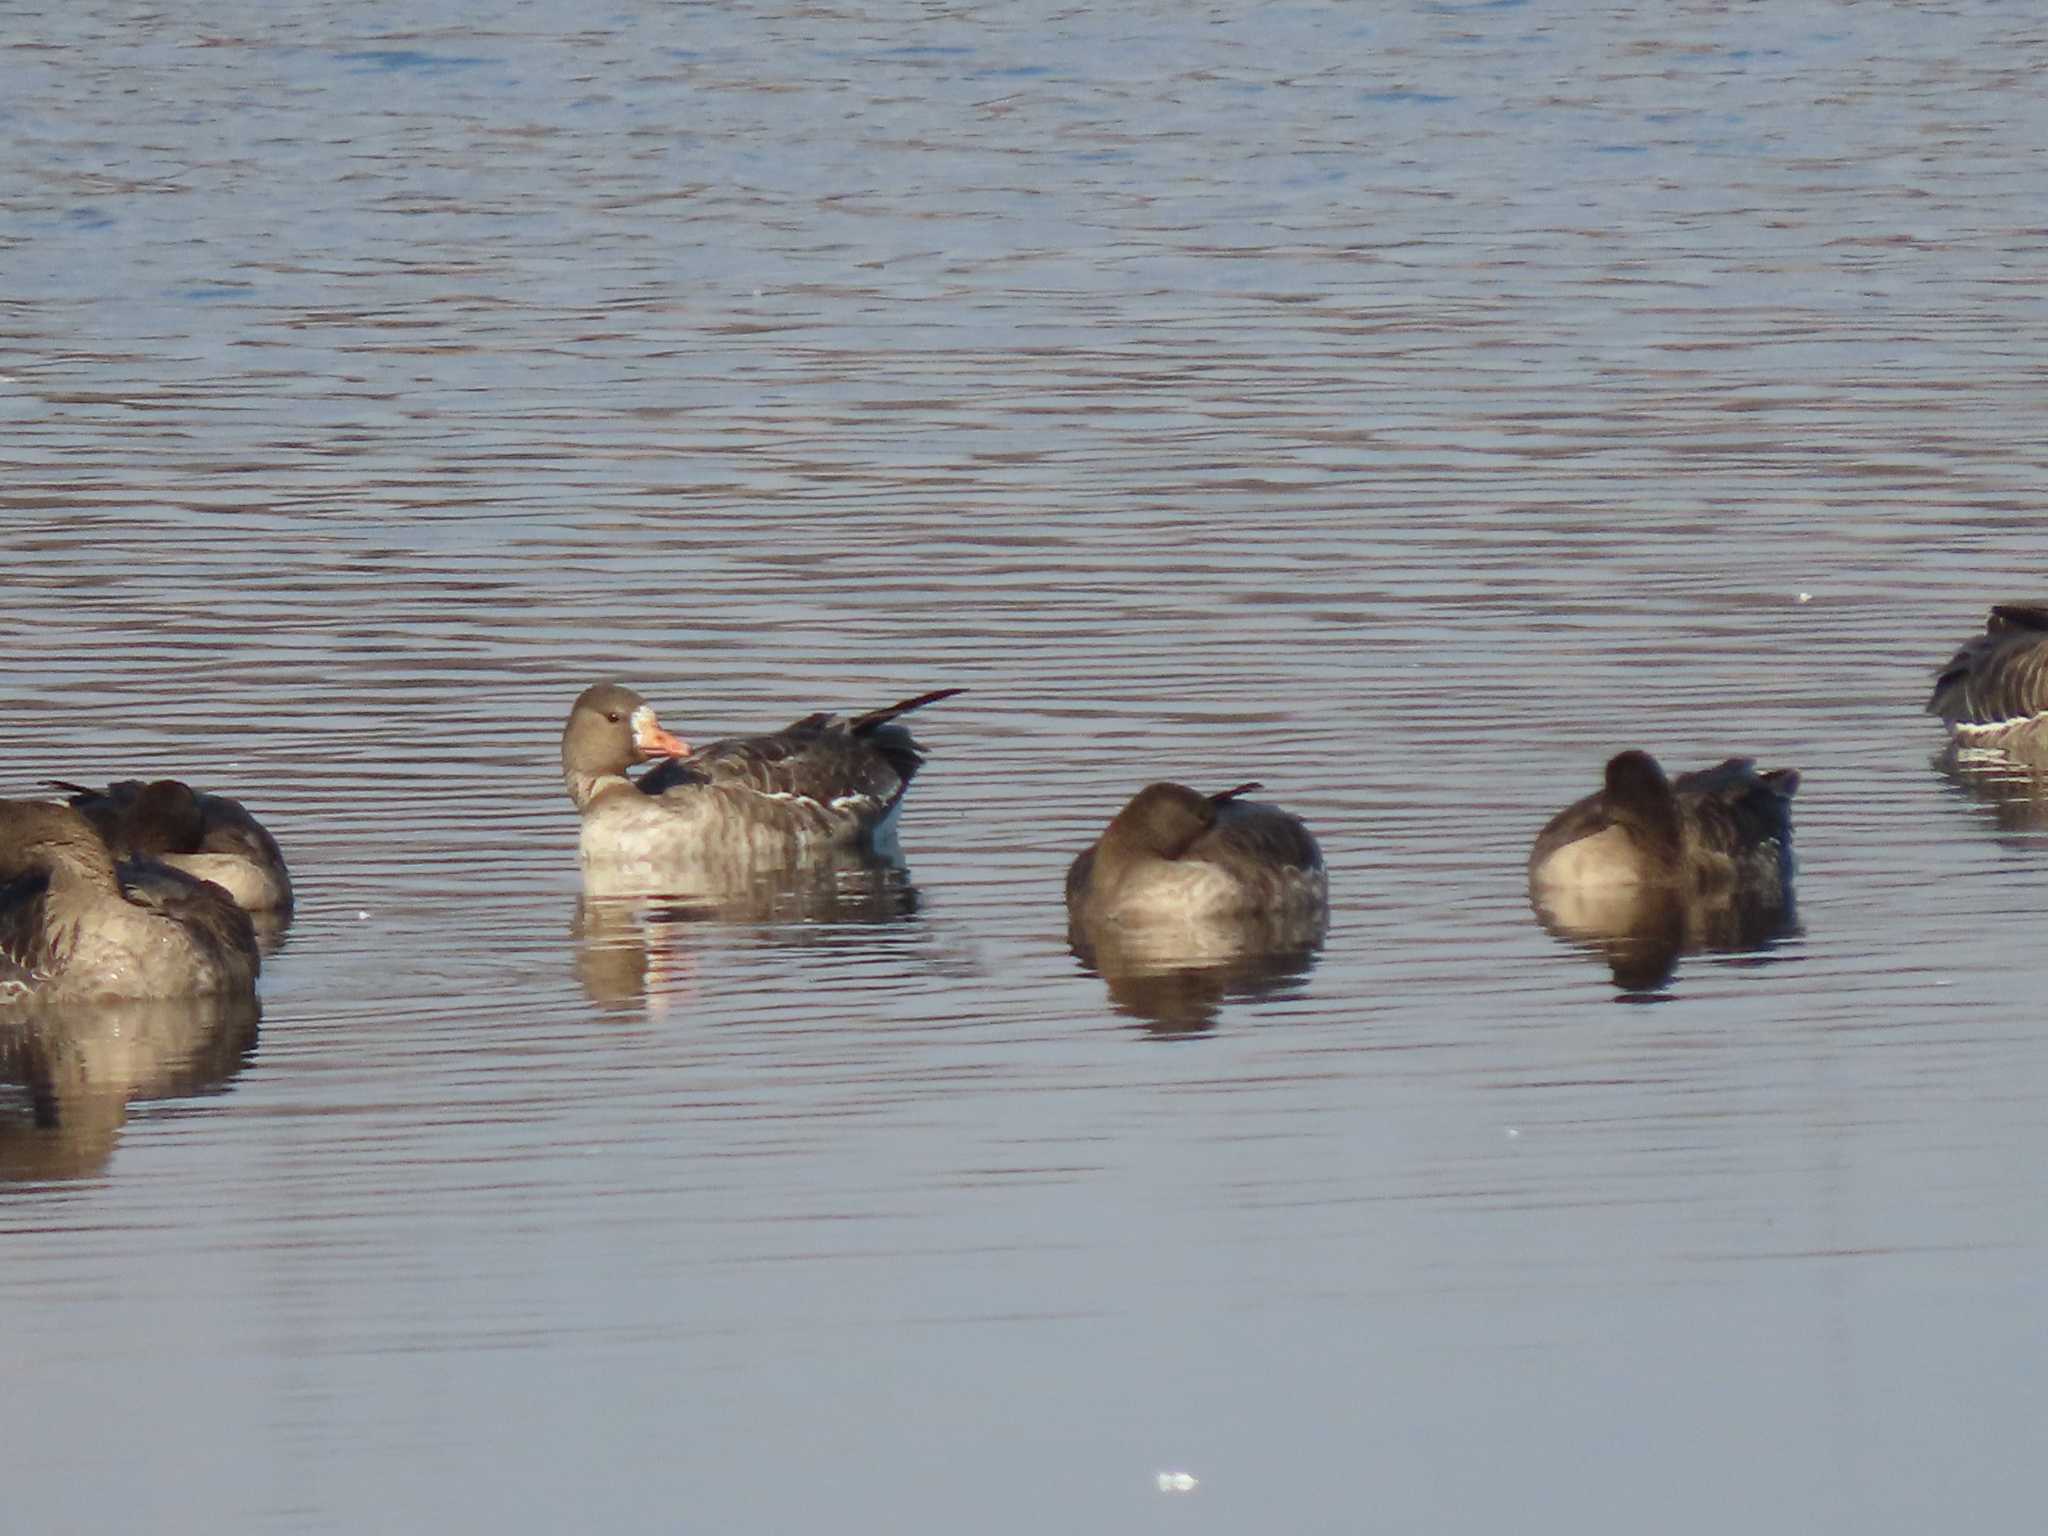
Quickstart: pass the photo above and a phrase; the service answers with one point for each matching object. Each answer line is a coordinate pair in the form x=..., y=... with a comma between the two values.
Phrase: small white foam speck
x=362, y=917
x=1177, y=1482
x=1512, y=1133
x=1806, y=597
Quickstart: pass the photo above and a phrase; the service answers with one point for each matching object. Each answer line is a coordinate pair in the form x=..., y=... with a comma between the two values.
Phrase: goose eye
x=612, y=715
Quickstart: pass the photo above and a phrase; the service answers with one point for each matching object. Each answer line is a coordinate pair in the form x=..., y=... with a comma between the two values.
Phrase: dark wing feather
x=820, y=758
x=110, y=810
x=1262, y=835
x=1225, y=796
x=820, y=766
x=138, y=820
x=1736, y=812
x=893, y=742
x=863, y=724
x=1733, y=775
x=200, y=906
x=2018, y=616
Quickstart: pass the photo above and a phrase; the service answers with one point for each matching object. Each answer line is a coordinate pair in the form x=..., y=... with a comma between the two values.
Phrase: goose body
x=1723, y=827
x=1994, y=691
x=1174, y=855
x=75, y=926
x=734, y=808
x=207, y=836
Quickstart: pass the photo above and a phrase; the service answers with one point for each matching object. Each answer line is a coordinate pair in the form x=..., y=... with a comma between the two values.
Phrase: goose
x=208, y=836
x=1994, y=690
x=745, y=803
x=75, y=926
x=1726, y=826
x=1174, y=854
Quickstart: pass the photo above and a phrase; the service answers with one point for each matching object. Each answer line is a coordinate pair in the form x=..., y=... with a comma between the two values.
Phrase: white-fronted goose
x=1720, y=827
x=1994, y=690
x=73, y=926
x=821, y=782
x=208, y=836
x=1176, y=855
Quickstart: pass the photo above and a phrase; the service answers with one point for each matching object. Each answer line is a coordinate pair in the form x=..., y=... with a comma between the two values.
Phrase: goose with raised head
x=1174, y=854
x=75, y=926
x=1723, y=826
x=208, y=836
x=736, y=805
x=1994, y=691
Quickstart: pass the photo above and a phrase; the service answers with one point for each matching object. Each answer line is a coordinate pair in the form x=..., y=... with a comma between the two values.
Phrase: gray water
x=1403, y=405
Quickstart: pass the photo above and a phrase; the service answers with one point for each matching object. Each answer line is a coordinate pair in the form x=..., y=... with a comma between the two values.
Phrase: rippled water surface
x=1403, y=405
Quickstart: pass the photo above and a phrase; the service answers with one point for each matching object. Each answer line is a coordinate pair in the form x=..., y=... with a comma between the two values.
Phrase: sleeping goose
x=1994, y=690
x=742, y=804
x=74, y=927
x=209, y=836
x=1176, y=855
x=1727, y=826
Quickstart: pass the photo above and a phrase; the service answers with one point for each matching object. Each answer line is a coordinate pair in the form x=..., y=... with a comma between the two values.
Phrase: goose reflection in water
x=1175, y=978
x=2010, y=783
x=641, y=951
x=1642, y=932
x=81, y=1066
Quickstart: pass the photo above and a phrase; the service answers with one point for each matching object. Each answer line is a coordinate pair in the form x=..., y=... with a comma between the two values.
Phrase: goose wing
x=198, y=906
x=1734, y=808
x=2000, y=675
x=845, y=767
x=1258, y=836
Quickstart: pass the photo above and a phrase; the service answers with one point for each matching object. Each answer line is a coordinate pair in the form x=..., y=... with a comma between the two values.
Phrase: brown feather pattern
x=1998, y=677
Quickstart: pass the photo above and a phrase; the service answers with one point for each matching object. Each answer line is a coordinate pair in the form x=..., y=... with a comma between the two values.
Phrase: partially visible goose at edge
x=1994, y=690
x=1706, y=831
x=74, y=927
x=1176, y=855
x=735, y=805
x=208, y=836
